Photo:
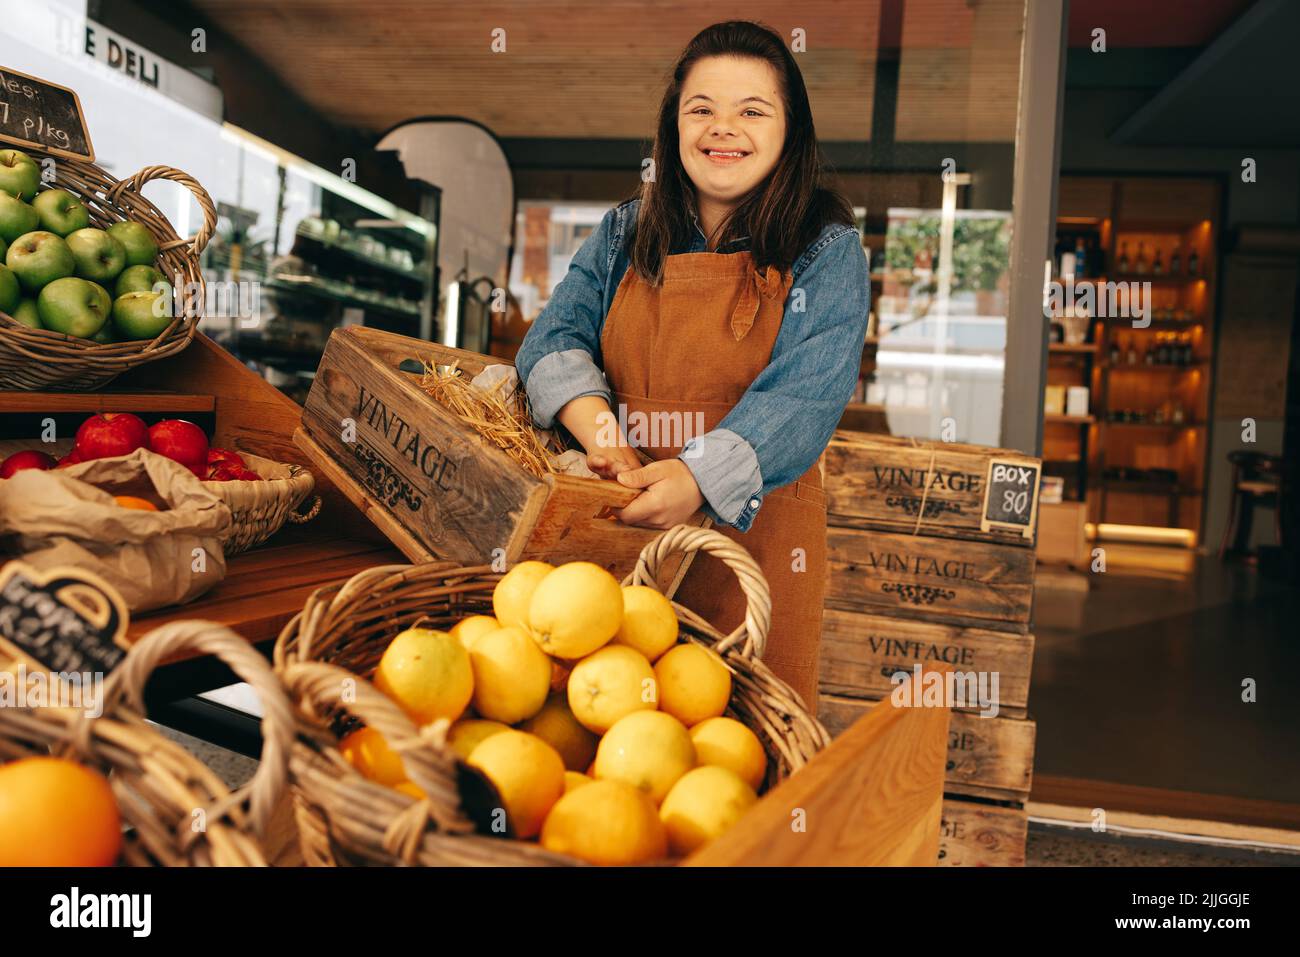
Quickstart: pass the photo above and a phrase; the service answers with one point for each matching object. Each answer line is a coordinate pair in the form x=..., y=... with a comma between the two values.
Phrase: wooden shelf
x=1054, y=418
x=1086, y=348
x=1154, y=367
x=105, y=401
x=1157, y=425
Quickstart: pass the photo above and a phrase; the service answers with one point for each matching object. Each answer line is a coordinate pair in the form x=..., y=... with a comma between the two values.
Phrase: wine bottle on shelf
x=1193, y=263
x=1157, y=267
x=1080, y=259
x=1132, y=356
x=1123, y=258
x=1142, y=266
x=1162, y=349
x=1175, y=262
x=1114, y=352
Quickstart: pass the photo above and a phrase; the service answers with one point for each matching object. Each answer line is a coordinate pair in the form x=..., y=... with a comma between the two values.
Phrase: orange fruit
x=605, y=822
x=727, y=743
x=528, y=774
x=132, y=501
x=649, y=750
x=694, y=684
x=428, y=674
x=703, y=804
x=368, y=752
x=56, y=813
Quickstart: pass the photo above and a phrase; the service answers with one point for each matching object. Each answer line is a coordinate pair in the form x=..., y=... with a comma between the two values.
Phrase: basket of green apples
x=93, y=278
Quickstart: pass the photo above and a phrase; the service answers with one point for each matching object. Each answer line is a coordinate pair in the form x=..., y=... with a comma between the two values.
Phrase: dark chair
x=1256, y=480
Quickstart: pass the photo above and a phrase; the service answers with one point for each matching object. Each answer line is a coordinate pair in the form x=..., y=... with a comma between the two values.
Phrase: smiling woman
x=731, y=292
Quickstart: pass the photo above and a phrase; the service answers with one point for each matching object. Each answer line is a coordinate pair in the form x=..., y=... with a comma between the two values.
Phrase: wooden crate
x=432, y=484
x=859, y=654
x=987, y=757
x=981, y=584
x=982, y=835
x=889, y=483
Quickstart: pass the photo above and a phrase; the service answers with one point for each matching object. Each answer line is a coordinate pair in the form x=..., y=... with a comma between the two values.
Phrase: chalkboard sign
x=1011, y=496
x=62, y=619
x=43, y=115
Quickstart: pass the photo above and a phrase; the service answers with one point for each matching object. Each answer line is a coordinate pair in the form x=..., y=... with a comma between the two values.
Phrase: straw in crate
x=159, y=786
x=325, y=653
x=41, y=359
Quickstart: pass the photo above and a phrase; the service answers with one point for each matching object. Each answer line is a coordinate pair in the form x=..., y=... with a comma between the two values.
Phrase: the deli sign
x=136, y=63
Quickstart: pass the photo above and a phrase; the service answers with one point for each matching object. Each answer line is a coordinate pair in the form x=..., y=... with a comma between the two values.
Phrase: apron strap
x=768, y=283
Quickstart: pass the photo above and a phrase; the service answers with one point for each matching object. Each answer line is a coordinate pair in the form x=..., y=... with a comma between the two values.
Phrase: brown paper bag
x=68, y=517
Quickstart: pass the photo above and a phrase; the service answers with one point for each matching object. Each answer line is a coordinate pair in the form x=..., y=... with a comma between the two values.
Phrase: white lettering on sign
x=1012, y=473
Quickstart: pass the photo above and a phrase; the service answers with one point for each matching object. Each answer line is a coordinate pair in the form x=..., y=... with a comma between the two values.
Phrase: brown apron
x=694, y=345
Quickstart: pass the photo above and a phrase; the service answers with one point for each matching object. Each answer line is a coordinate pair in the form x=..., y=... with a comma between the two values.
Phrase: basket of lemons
x=550, y=715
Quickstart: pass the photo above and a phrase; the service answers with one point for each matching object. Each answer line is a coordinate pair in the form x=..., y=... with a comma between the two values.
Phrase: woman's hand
x=669, y=498
x=613, y=462
x=590, y=420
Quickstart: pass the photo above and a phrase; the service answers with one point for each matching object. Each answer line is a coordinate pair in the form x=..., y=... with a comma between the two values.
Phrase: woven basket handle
x=758, y=597
x=199, y=241
x=210, y=638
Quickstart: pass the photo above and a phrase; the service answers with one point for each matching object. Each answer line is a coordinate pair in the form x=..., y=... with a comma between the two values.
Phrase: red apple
x=25, y=460
x=221, y=456
x=182, y=442
x=248, y=475
x=72, y=458
x=106, y=434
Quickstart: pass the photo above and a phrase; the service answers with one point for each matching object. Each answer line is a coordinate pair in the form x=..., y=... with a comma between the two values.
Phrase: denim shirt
x=786, y=417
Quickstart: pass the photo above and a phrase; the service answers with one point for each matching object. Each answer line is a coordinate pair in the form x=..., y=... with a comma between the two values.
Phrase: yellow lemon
x=468, y=630
x=368, y=752
x=512, y=676
x=410, y=789
x=694, y=684
x=465, y=735
x=649, y=622
x=702, y=805
x=727, y=743
x=576, y=609
x=613, y=682
x=515, y=590
x=575, y=779
x=527, y=773
x=649, y=750
x=556, y=725
x=605, y=822
x=427, y=673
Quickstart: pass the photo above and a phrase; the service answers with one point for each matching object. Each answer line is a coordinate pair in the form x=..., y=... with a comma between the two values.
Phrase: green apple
x=10, y=291
x=39, y=258
x=99, y=256
x=16, y=217
x=4, y=248
x=19, y=175
x=74, y=307
x=138, y=279
x=140, y=315
x=141, y=247
x=61, y=212
x=27, y=314
x=105, y=335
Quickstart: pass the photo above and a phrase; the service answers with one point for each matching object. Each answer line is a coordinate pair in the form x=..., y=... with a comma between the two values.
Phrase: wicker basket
x=162, y=790
x=343, y=630
x=41, y=359
x=259, y=509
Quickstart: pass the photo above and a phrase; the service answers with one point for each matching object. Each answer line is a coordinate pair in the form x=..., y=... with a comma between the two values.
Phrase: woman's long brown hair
x=784, y=213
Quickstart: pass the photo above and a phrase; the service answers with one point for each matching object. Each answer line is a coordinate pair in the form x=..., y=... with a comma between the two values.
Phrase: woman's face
x=731, y=126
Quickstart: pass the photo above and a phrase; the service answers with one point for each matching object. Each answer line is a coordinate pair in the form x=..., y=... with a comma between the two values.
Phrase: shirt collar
x=695, y=220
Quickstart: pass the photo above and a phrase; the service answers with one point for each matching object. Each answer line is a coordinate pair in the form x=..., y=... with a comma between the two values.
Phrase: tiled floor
x=1139, y=681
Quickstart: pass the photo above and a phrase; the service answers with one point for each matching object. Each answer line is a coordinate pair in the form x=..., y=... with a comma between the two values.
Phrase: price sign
x=62, y=619
x=42, y=115
x=1011, y=496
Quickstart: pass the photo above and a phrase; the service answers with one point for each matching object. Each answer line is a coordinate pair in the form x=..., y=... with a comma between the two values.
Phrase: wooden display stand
x=874, y=797
x=953, y=591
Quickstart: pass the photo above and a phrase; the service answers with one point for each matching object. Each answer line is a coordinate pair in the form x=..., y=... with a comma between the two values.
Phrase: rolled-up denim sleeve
x=786, y=417
x=560, y=360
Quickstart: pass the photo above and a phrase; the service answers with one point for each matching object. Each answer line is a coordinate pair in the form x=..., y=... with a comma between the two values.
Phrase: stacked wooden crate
x=931, y=553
